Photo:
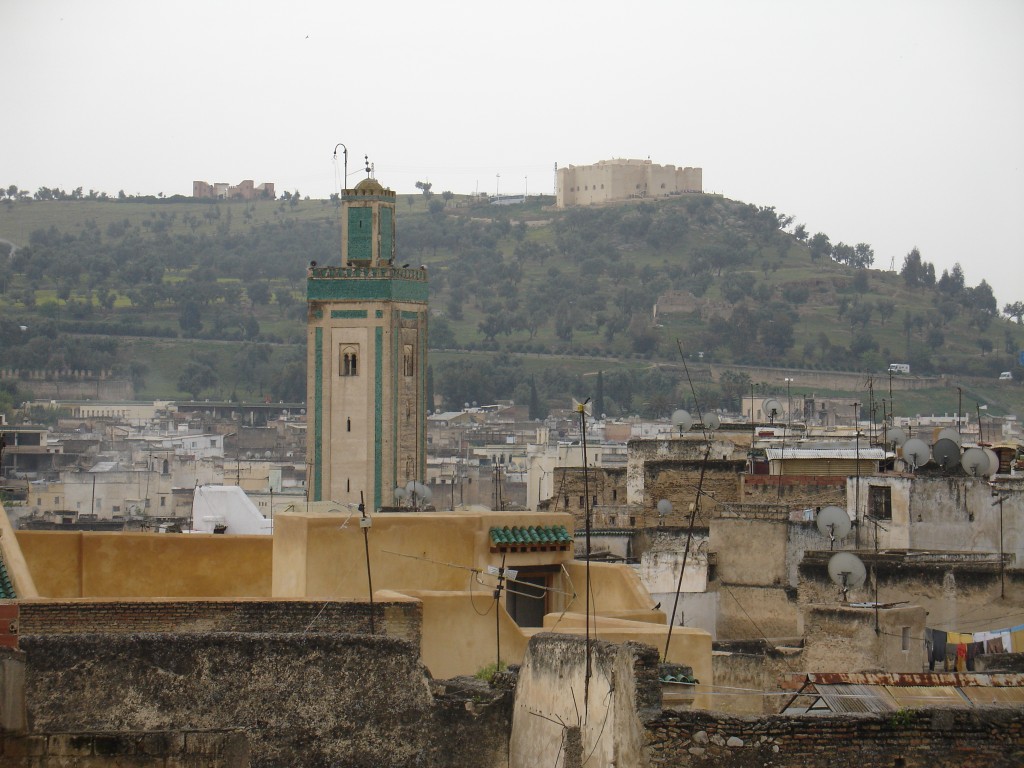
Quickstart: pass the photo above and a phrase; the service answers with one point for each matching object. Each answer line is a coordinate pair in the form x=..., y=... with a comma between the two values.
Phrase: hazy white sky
x=894, y=122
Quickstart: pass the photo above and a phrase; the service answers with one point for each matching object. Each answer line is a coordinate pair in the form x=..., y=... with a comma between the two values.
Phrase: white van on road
x=1006, y=376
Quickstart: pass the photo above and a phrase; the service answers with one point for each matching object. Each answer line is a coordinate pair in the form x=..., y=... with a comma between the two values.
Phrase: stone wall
x=300, y=699
x=795, y=491
x=181, y=749
x=399, y=619
x=977, y=738
x=837, y=380
x=70, y=385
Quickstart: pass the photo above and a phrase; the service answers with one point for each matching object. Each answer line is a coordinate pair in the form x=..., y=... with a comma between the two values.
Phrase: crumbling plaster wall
x=841, y=638
x=959, y=594
x=596, y=699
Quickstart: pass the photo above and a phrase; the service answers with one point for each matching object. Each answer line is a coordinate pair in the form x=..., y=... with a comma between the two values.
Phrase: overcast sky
x=896, y=123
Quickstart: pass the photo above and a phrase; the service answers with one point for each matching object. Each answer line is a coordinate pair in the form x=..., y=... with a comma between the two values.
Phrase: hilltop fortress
x=612, y=180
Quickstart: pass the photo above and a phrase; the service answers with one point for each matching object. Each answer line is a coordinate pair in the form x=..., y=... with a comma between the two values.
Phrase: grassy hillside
x=220, y=286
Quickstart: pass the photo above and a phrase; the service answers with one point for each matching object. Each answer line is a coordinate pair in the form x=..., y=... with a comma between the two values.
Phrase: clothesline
x=956, y=650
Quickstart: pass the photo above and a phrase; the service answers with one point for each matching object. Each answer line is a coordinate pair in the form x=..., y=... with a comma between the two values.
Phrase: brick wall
x=401, y=619
x=965, y=738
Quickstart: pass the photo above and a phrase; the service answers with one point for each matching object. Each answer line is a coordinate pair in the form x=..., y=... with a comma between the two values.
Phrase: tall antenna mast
x=344, y=180
x=700, y=490
x=582, y=409
x=365, y=523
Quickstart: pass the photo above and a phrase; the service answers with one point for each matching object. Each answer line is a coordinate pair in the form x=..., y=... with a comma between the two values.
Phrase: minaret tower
x=366, y=337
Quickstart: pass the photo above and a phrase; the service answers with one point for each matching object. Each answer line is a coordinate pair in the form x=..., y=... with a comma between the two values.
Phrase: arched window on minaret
x=408, y=361
x=349, y=362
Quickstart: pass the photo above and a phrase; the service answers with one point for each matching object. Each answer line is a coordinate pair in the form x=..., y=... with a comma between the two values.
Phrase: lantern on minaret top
x=368, y=223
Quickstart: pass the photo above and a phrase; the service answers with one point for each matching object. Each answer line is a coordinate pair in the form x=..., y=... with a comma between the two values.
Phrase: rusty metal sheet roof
x=846, y=692
x=922, y=678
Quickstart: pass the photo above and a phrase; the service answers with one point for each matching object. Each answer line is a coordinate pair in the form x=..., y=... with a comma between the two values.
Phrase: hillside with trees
x=206, y=298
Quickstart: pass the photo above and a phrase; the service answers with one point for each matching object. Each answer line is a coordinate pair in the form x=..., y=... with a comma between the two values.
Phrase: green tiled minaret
x=366, y=360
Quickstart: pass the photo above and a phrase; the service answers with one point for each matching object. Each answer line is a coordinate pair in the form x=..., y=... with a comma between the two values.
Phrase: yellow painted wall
x=688, y=646
x=430, y=557
x=324, y=554
x=100, y=564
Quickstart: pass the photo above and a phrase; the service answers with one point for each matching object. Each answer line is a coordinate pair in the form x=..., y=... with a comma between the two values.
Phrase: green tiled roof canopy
x=534, y=537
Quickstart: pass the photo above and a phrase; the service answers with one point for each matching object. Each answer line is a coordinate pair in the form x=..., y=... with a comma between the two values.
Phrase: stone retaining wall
x=965, y=738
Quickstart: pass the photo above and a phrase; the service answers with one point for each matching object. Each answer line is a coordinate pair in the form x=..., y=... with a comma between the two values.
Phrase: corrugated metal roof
x=918, y=696
x=865, y=454
x=887, y=692
x=843, y=698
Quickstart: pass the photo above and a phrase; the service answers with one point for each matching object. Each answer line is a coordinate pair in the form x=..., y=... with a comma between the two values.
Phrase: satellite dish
x=916, y=453
x=712, y=420
x=993, y=461
x=946, y=452
x=951, y=434
x=425, y=493
x=895, y=436
x=682, y=419
x=664, y=507
x=772, y=407
x=410, y=487
x=400, y=493
x=976, y=462
x=833, y=522
x=847, y=570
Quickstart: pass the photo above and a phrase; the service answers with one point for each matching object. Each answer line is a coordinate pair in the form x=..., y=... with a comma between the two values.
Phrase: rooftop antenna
x=682, y=420
x=365, y=522
x=664, y=509
x=946, y=453
x=848, y=571
x=993, y=461
x=773, y=408
x=695, y=506
x=895, y=436
x=949, y=433
x=976, y=462
x=833, y=522
x=915, y=453
x=583, y=411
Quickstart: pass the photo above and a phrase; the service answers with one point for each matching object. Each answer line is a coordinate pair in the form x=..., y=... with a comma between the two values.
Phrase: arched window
x=348, y=363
